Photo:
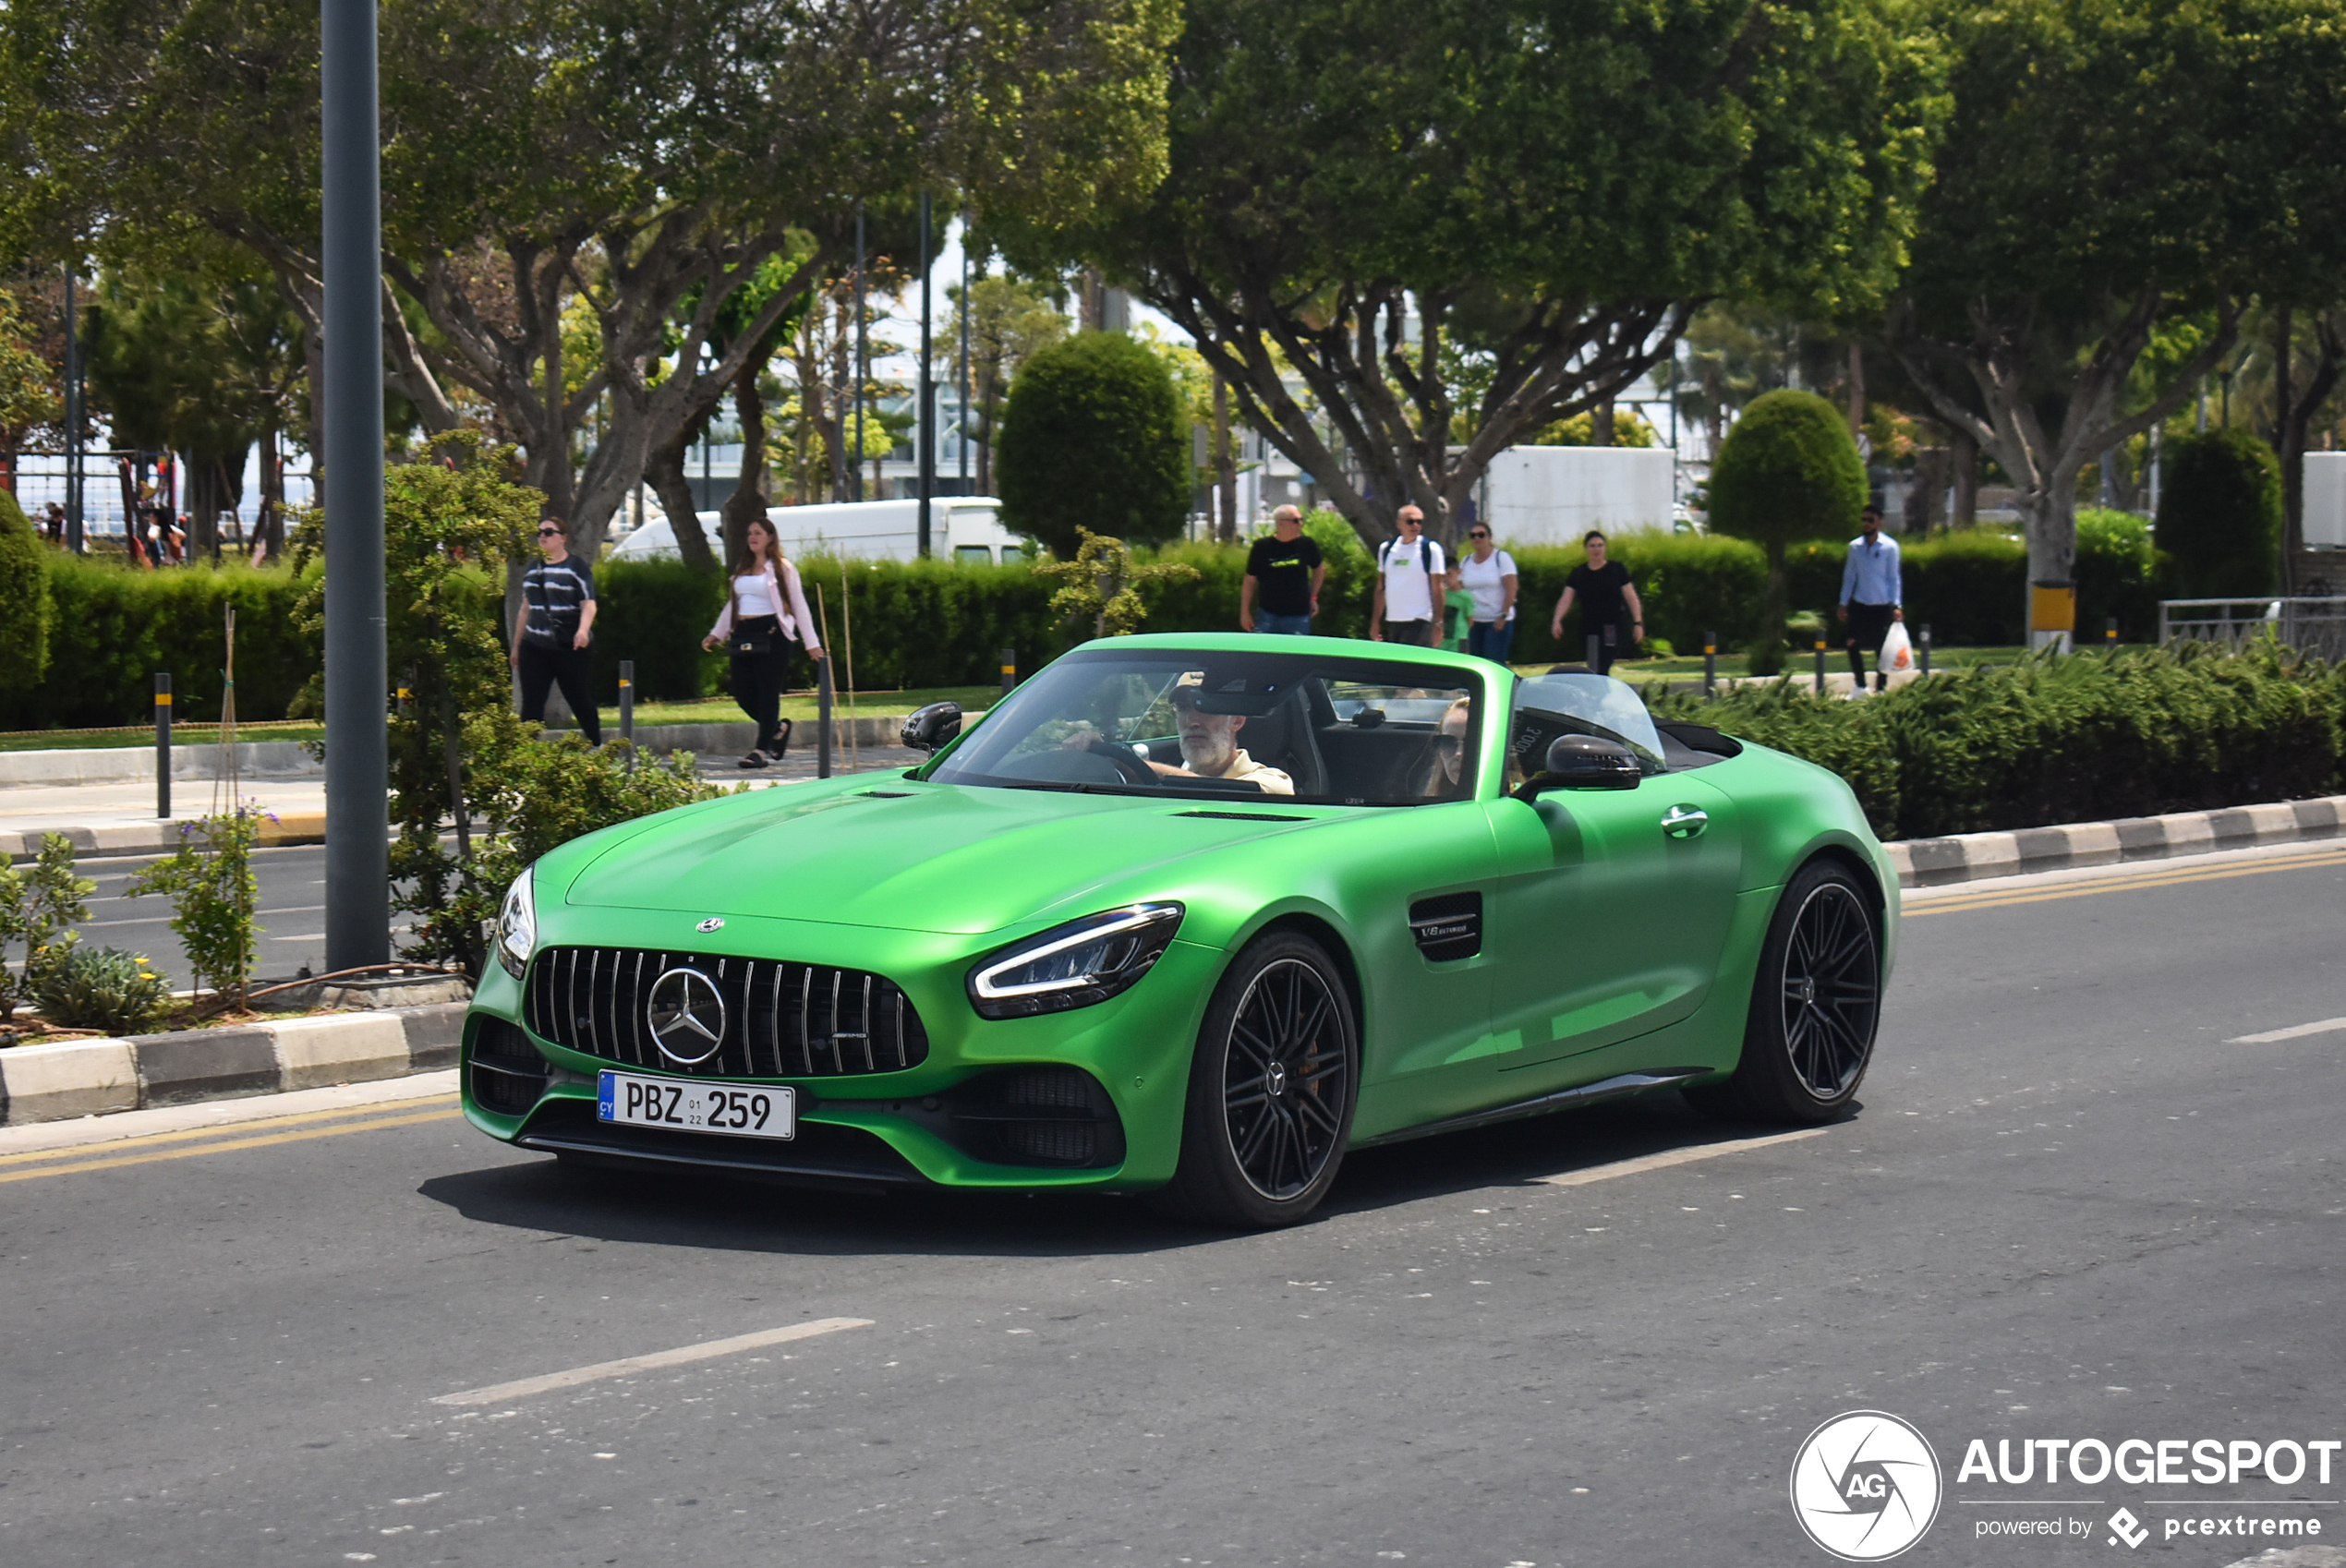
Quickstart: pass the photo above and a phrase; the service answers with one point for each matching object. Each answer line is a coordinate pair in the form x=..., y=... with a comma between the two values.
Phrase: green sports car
x=1192, y=916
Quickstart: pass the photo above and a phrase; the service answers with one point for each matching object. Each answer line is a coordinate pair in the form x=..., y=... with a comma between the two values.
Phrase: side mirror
x=1584, y=761
x=929, y=728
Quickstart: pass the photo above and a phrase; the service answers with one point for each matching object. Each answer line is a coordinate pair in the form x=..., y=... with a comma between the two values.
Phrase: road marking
x=224, y=1146
x=270, y=1125
x=1676, y=1157
x=2328, y=1026
x=498, y=1394
x=2165, y=877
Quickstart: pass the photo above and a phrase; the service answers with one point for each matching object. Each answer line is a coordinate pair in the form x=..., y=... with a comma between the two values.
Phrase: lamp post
x=862, y=354
x=357, y=746
x=927, y=408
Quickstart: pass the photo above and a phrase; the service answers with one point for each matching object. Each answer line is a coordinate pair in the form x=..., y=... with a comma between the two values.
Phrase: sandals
x=755, y=759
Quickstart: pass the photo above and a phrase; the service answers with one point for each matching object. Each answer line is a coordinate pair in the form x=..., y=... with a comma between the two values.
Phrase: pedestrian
x=55, y=524
x=765, y=617
x=1289, y=569
x=1610, y=610
x=557, y=624
x=1490, y=575
x=1871, y=599
x=1406, y=571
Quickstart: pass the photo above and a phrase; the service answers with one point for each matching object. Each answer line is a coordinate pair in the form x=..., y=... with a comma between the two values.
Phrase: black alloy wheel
x=1271, y=1091
x=1815, y=1004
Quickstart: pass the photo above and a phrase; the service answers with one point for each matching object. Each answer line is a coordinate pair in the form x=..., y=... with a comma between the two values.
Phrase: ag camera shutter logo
x=1865, y=1486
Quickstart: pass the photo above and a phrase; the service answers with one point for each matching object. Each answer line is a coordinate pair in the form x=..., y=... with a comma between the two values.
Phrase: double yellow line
x=2166, y=874
x=186, y=1144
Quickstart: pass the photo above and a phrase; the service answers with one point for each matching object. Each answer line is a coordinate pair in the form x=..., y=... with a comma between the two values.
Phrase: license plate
x=733, y=1109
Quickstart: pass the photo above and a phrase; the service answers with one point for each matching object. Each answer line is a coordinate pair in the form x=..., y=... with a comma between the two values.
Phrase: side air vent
x=1447, y=927
x=1037, y=1115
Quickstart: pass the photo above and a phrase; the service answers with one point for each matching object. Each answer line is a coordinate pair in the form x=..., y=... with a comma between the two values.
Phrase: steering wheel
x=1124, y=760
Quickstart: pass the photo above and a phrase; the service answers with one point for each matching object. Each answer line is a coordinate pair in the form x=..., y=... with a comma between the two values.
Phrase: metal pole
x=1010, y=671
x=1596, y=646
x=926, y=386
x=357, y=753
x=74, y=529
x=2110, y=634
x=162, y=744
x=1820, y=663
x=962, y=373
x=627, y=708
x=863, y=359
x=1710, y=664
x=822, y=718
x=1922, y=651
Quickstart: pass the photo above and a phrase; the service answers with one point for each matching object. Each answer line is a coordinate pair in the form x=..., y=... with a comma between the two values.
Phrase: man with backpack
x=1406, y=604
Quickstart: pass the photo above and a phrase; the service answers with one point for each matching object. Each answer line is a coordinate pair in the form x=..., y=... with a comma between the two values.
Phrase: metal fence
x=2314, y=626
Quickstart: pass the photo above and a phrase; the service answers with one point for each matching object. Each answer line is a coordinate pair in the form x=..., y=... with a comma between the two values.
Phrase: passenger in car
x=1448, y=751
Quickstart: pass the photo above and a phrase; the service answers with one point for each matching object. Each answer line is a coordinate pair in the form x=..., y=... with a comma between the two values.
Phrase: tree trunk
x=747, y=503
x=1600, y=424
x=2297, y=408
x=1857, y=392
x=1962, y=456
x=665, y=474
x=2050, y=516
x=1779, y=606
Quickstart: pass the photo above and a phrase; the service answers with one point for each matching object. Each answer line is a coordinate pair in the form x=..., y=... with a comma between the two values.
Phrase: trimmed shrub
x=27, y=609
x=656, y=612
x=1094, y=435
x=2219, y=515
x=1788, y=471
x=2118, y=575
x=2060, y=740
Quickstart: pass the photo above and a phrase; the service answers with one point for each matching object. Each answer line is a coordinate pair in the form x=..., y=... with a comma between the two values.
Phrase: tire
x=1816, y=1004
x=1271, y=1089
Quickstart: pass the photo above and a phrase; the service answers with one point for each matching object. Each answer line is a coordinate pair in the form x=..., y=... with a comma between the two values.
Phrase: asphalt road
x=291, y=912
x=2070, y=1207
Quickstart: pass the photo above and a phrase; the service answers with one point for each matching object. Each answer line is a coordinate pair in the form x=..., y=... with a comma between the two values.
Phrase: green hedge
x=2081, y=739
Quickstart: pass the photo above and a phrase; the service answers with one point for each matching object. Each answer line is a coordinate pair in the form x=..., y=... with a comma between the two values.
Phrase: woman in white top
x=765, y=617
x=1490, y=575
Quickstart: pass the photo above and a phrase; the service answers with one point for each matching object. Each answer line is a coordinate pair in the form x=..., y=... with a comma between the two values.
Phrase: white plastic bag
x=1897, y=650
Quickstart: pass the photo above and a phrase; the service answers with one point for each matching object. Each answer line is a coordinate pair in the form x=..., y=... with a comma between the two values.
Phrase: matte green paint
x=1608, y=946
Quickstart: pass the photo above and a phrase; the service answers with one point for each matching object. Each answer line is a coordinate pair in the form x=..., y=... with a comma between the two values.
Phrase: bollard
x=1710, y=665
x=822, y=718
x=1010, y=669
x=1596, y=650
x=627, y=708
x=162, y=744
x=2110, y=634
x=1820, y=664
x=1922, y=651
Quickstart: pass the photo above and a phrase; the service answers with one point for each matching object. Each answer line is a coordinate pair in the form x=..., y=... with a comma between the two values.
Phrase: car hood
x=908, y=855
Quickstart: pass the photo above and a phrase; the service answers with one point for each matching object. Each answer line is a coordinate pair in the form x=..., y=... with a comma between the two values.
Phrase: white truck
x=964, y=529
x=1552, y=495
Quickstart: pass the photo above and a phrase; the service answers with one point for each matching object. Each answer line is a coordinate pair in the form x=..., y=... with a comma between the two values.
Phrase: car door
x=1612, y=913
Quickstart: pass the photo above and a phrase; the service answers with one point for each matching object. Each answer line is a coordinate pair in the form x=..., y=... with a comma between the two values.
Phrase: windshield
x=1549, y=705
x=1222, y=725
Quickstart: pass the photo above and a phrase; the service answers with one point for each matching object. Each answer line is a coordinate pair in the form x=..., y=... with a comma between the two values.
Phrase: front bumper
x=967, y=1115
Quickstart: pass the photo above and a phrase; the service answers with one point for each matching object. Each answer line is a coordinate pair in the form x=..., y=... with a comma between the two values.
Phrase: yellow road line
x=114, y=1161
x=2167, y=878
x=227, y=1130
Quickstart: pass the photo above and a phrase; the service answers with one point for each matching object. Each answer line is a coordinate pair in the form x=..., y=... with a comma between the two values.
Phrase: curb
x=89, y=1078
x=1967, y=857
x=159, y=837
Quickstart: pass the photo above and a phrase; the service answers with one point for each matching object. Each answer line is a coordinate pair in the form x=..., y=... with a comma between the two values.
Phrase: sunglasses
x=1478, y=534
x=549, y=533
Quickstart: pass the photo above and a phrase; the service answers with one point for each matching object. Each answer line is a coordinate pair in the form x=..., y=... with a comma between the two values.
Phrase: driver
x=1209, y=745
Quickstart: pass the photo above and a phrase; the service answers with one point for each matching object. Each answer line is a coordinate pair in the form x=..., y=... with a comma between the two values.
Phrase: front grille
x=782, y=1019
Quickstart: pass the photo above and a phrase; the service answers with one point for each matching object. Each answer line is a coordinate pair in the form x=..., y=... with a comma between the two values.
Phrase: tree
x=1788, y=471
x=1401, y=199
x=1094, y=436
x=650, y=159
x=30, y=393
x=1103, y=586
x=27, y=609
x=2219, y=514
x=1010, y=320
x=2113, y=168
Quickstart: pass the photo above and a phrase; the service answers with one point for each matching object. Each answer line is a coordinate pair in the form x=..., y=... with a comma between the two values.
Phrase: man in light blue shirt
x=1870, y=595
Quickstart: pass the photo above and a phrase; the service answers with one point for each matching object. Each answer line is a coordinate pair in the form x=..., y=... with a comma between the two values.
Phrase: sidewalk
x=119, y=818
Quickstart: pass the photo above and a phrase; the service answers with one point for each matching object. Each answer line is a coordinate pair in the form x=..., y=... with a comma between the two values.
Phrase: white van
x=964, y=529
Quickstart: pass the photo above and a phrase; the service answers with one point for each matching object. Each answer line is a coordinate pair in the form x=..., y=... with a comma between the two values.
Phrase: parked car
x=1194, y=915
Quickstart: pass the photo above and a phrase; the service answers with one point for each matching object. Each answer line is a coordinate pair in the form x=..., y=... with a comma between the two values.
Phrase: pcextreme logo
x=1865, y=1486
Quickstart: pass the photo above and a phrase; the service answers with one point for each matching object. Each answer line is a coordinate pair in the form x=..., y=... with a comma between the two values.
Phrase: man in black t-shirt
x=1288, y=569
x=1609, y=608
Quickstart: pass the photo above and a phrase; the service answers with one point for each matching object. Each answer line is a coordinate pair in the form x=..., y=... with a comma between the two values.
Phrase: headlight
x=1074, y=965
x=517, y=926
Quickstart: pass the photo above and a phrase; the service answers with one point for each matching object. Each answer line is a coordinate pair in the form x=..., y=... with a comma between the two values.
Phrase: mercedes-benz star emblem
x=686, y=1015
x=714, y=923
